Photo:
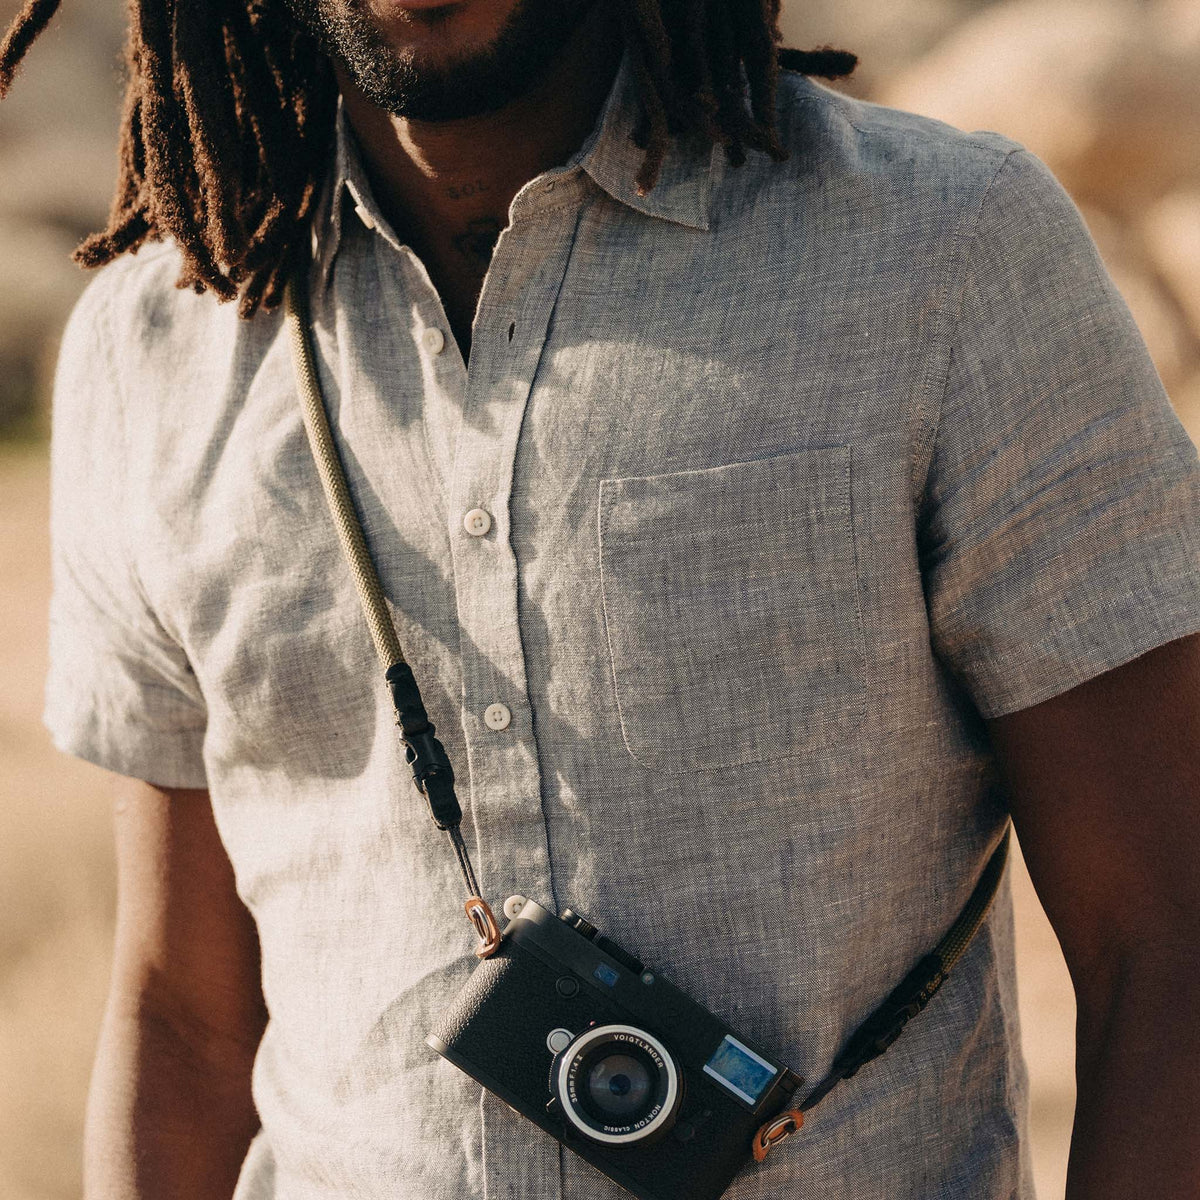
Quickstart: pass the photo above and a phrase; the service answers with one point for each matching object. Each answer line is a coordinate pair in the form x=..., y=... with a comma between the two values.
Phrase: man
x=803, y=513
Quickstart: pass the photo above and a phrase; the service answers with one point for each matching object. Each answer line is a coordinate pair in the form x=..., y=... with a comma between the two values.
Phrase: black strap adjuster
x=432, y=772
x=887, y=1022
x=433, y=775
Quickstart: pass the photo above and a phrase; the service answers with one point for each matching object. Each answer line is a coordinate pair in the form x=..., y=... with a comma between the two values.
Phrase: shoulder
x=909, y=170
x=831, y=136
x=926, y=203
x=151, y=330
x=150, y=374
x=135, y=301
x=99, y=342
x=153, y=348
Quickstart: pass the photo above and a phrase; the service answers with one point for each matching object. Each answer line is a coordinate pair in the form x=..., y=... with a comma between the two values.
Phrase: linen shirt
x=762, y=492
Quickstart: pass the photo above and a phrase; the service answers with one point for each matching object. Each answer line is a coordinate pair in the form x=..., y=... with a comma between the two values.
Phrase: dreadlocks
x=229, y=117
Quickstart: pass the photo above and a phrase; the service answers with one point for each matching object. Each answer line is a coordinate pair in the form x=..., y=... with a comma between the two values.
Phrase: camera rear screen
x=741, y=1070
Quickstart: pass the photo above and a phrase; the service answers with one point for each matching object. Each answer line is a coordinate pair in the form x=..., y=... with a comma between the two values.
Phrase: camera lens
x=618, y=1084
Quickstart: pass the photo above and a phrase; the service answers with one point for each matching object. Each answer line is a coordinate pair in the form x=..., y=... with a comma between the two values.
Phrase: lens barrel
x=618, y=1085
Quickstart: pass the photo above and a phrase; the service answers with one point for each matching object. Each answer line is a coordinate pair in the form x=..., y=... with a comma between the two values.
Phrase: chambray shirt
x=762, y=491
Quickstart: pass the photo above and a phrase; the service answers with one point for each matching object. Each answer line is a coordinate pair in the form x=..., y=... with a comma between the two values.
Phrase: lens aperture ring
x=618, y=1085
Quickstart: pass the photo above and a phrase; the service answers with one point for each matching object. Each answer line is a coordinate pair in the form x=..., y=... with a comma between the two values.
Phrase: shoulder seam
x=107, y=341
x=964, y=137
x=923, y=449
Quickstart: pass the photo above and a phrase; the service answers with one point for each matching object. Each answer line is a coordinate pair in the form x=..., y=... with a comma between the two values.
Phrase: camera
x=610, y=1058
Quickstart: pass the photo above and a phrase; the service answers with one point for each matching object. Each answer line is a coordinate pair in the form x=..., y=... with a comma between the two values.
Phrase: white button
x=513, y=905
x=433, y=340
x=364, y=216
x=497, y=716
x=477, y=522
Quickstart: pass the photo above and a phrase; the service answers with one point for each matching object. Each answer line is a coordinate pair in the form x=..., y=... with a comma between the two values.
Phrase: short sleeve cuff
x=165, y=758
x=1069, y=651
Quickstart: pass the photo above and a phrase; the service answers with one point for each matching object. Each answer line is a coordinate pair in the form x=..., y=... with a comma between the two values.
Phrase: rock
x=1171, y=233
x=38, y=285
x=1167, y=338
x=884, y=36
x=1172, y=343
x=1178, y=23
x=1096, y=89
x=1007, y=70
x=59, y=179
x=1186, y=399
x=58, y=138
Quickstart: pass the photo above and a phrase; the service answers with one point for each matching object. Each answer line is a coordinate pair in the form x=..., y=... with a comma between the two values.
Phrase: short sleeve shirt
x=762, y=492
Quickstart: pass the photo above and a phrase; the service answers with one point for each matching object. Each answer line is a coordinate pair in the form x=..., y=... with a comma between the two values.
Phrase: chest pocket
x=731, y=605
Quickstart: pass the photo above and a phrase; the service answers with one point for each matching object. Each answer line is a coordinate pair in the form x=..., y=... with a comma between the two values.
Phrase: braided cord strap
x=950, y=949
x=919, y=986
x=432, y=772
x=333, y=481
x=887, y=1022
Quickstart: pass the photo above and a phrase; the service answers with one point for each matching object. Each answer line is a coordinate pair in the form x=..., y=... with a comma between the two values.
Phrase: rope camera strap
x=432, y=772
x=434, y=776
x=904, y=1002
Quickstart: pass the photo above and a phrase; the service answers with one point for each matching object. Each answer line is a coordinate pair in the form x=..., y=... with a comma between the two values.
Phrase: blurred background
x=1107, y=93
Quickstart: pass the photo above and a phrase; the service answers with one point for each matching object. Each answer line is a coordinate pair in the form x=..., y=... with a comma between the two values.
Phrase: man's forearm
x=170, y=1113
x=1137, y=1117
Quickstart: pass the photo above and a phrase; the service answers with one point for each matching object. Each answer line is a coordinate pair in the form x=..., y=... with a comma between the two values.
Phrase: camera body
x=607, y=1056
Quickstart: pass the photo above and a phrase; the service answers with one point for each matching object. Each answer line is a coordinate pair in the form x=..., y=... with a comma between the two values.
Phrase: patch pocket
x=731, y=605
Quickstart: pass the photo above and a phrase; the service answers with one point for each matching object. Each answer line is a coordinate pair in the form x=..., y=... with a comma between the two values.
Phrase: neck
x=434, y=179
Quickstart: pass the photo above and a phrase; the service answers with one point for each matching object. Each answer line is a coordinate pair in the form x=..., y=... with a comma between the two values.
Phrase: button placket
x=505, y=809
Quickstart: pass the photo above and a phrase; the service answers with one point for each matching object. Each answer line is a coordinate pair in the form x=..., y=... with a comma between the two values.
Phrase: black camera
x=571, y=1031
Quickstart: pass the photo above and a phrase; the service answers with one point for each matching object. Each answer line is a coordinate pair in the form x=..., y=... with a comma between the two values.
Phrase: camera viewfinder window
x=742, y=1071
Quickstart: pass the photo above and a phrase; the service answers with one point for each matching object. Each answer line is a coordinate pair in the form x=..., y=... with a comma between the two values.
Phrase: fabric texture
x=795, y=473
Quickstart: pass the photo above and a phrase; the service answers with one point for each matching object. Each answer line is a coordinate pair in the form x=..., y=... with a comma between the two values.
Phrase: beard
x=480, y=81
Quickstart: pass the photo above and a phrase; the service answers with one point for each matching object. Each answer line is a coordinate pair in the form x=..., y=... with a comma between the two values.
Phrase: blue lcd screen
x=742, y=1071
x=606, y=974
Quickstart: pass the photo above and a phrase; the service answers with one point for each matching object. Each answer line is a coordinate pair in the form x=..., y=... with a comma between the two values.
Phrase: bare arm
x=169, y=1111
x=1106, y=801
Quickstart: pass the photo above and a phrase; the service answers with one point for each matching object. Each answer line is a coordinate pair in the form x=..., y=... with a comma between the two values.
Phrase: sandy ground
x=56, y=905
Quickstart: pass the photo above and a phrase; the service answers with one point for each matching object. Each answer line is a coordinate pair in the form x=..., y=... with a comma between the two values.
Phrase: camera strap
x=904, y=1002
x=434, y=777
x=432, y=772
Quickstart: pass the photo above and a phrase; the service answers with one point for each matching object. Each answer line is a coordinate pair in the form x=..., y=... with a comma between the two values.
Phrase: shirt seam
x=873, y=127
x=105, y=337
x=923, y=446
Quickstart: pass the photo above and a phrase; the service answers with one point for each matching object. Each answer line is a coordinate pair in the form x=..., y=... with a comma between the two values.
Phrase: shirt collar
x=611, y=158
x=608, y=155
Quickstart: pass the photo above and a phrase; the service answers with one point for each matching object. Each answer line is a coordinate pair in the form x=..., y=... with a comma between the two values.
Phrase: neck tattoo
x=477, y=241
